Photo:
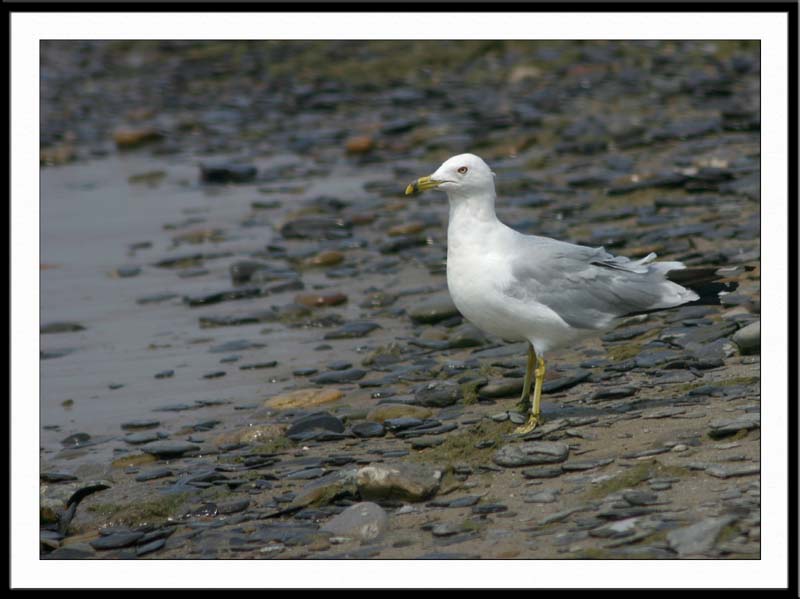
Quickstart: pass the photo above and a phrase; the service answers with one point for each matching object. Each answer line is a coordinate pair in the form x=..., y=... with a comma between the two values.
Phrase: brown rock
x=317, y=300
x=303, y=398
x=326, y=258
x=127, y=138
x=406, y=229
x=360, y=144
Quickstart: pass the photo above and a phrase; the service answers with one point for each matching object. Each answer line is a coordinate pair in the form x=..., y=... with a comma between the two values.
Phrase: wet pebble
x=139, y=425
x=368, y=429
x=60, y=327
x=169, y=449
x=339, y=376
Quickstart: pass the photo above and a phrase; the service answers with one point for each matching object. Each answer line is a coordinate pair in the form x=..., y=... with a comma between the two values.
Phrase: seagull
x=546, y=292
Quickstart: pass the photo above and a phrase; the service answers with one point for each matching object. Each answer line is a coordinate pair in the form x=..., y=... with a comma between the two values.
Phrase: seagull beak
x=422, y=184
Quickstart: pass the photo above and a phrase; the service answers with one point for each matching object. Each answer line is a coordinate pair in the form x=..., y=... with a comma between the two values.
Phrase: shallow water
x=90, y=216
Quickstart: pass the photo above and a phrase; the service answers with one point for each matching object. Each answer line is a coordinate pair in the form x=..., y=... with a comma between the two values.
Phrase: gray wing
x=588, y=287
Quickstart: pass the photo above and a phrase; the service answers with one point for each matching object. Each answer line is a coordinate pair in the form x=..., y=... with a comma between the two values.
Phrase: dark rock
x=204, y=299
x=116, y=541
x=353, y=330
x=339, y=376
x=60, y=327
x=303, y=428
x=227, y=173
x=133, y=425
x=438, y=394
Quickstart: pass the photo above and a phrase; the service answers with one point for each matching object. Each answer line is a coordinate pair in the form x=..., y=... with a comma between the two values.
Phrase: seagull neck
x=479, y=208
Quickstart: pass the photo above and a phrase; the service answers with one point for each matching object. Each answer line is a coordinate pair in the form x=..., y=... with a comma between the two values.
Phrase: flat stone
x=733, y=471
x=531, y=453
x=169, y=449
x=116, y=541
x=339, y=376
x=546, y=496
x=353, y=330
x=724, y=427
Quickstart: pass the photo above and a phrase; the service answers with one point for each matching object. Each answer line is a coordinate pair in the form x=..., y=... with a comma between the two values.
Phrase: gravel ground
x=247, y=345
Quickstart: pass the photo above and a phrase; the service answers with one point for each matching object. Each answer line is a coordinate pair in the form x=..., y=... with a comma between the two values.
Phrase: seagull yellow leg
x=535, y=418
x=525, y=401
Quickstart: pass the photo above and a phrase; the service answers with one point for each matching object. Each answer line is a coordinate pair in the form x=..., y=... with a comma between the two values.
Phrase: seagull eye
x=463, y=170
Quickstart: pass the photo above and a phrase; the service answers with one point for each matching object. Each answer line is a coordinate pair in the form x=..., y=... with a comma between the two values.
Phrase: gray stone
x=732, y=471
x=700, y=537
x=546, y=496
x=364, y=521
x=723, y=427
x=749, y=338
x=531, y=453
